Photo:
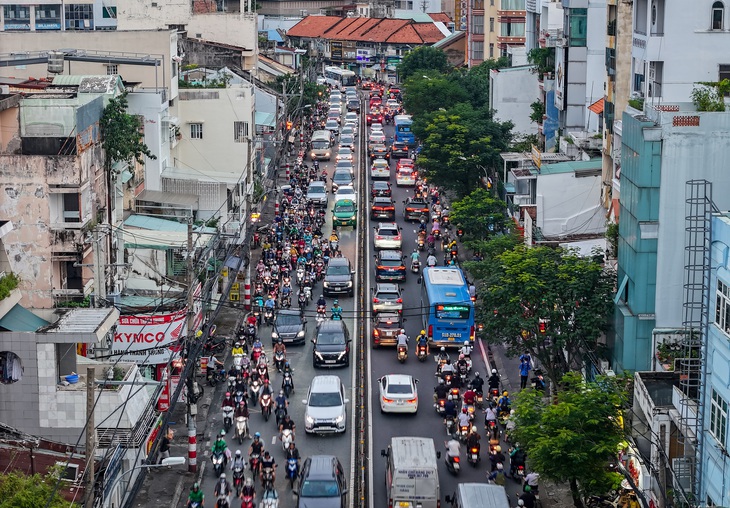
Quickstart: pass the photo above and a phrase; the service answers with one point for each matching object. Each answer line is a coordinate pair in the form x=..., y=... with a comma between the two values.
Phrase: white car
x=345, y=154
x=347, y=141
x=346, y=192
x=377, y=126
x=326, y=406
x=387, y=236
x=351, y=117
x=398, y=394
x=380, y=169
x=392, y=104
x=347, y=131
x=332, y=126
x=376, y=137
x=351, y=125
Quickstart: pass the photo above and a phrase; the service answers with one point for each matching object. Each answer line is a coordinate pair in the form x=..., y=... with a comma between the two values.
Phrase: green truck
x=344, y=213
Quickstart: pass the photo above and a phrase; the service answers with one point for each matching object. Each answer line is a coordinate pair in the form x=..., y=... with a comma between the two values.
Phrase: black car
x=382, y=208
x=414, y=208
x=399, y=150
x=290, y=327
x=386, y=328
x=322, y=483
x=331, y=345
x=389, y=266
x=353, y=105
x=338, y=277
x=380, y=188
x=379, y=152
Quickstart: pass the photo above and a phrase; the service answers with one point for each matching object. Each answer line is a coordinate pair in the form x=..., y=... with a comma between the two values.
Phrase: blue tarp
x=20, y=319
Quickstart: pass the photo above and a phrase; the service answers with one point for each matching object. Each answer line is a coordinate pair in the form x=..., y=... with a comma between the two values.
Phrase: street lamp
x=169, y=461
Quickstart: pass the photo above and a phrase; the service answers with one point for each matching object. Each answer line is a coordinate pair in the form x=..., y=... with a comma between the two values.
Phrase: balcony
x=553, y=39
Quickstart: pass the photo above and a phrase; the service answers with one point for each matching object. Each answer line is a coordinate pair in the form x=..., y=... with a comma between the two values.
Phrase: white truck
x=321, y=145
x=478, y=495
x=411, y=473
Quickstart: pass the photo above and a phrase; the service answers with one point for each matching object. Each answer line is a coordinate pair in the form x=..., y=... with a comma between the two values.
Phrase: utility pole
x=90, y=435
x=99, y=279
x=191, y=406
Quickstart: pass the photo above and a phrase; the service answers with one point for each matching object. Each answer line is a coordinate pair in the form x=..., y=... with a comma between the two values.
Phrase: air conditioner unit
x=69, y=472
x=604, y=365
x=652, y=73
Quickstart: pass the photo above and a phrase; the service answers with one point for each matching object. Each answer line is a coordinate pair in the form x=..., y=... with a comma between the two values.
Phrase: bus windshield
x=320, y=144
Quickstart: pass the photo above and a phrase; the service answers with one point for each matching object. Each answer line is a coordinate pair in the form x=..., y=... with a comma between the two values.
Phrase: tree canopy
x=549, y=302
x=121, y=133
x=422, y=58
x=571, y=438
x=480, y=215
x=20, y=491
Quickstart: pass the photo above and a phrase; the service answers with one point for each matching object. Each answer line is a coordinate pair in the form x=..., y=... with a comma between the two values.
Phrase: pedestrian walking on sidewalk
x=525, y=367
x=165, y=446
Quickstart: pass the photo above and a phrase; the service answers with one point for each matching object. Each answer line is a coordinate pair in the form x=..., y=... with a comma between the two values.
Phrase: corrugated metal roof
x=448, y=39
x=90, y=83
x=154, y=223
x=571, y=167
x=20, y=319
x=267, y=119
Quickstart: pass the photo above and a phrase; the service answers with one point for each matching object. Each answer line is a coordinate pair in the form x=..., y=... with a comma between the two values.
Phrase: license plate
x=404, y=503
x=330, y=361
x=399, y=402
x=452, y=335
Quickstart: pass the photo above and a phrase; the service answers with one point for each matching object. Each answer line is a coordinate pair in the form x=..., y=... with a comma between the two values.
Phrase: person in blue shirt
x=524, y=372
x=422, y=340
x=336, y=311
x=270, y=302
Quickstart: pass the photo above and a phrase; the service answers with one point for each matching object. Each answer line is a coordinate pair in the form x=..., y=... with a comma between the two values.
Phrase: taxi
x=344, y=213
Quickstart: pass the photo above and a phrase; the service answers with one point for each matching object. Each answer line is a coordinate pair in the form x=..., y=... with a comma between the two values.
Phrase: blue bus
x=447, y=309
x=403, y=130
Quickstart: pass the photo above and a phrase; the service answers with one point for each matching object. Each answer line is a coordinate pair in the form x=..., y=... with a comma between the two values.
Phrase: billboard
x=560, y=74
x=151, y=339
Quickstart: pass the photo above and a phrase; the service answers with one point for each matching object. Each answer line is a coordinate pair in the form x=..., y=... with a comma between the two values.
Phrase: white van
x=321, y=145
x=479, y=495
x=411, y=473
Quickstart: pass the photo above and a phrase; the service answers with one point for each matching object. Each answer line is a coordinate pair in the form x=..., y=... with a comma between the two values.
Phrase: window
x=491, y=50
x=79, y=16
x=641, y=13
x=478, y=5
x=491, y=25
x=196, y=131
x=718, y=13
x=512, y=29
x=109, y=12
x=112, y=69
x=722, y=307
x=48, y=17
x=491, y=2
x=477, y=24
x=477, y=50
x=578, y=27
x=513, y=5
x=240, y=132
x=718, y=418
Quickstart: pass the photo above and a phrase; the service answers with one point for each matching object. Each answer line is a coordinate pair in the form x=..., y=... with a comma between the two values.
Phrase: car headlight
x=300, y=334
x=274, y=335
x=309, y=420
x=318, y=355
x=341, y=355
x=327, y=154
x=340, y=419
x=326, y=284
x=353, y=217
x=349, y=284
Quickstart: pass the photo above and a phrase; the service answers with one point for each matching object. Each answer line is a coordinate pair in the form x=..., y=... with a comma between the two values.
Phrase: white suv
x=326, y=406
x=387, y=236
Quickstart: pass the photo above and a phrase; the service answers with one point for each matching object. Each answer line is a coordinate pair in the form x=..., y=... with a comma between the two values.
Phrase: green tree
x=427, y=94
x=569, y=294
x=20, y=491
x=121, y=134
x=299, y=92
x=422, y=59
x=572, y=437
x=480, y=215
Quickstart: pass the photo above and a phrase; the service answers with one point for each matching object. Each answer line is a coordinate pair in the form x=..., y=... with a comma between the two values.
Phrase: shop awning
x=266, y=119
x=597, y=107
x=20, y=319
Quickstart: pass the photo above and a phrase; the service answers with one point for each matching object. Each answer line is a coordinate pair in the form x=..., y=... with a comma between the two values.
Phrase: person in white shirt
x=453, y=448
x=464, y=418
x=431, y=261
x=402, y=339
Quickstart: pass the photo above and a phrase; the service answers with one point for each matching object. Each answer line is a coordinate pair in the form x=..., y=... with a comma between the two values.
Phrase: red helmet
x=266, y=381
x=228, y=394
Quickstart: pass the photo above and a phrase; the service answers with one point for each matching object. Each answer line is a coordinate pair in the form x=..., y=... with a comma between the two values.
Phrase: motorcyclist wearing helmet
x=422, y=340
x=248, y=489
x=287, y=424
x=336, y=310
x=461, y=364
x=220, y=446
x=266, y=390
x=464, y=418
x=528, y=498
x=447, y=368
x=228, y=401
x=466, y=349
x=494, y=380
x=469, y=397
x=504, y=403
x=414, y=256
x=237, y=349
x=473, y=438
x=477, y=383
x=496, y=457
x=196, y=496
x=321, y=302
x=257, y=446
x=490, y=415
x=442, y=356
x=238, y=461
x=222, y=487
x=281, y=401
x=450, y=407
x=517, y=457
x=279, y=347
x=441, y=391
x=402, y=339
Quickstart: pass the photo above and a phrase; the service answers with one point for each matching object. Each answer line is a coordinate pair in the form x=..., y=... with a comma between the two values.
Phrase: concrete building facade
x=25, y=16
x=512, y=90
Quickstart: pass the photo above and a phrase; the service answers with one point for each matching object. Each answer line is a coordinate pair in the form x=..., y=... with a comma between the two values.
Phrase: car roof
x=342, y=171
x=346, y=188
x=387, y=225
x=316, y=183
x=384, y=199
x=338, y=261
x=288, y=312
x=326, y=383
x=386, y=287
x=390, y=254
x=332, y=325
x=417, y=200
x=388, y=317
x=399, y=379
x=345, y=148
x=321, y=467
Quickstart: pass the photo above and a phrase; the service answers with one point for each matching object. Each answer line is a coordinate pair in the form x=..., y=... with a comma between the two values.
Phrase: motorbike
x=321, y=313
x=300, y=275
x=269, y=316
x=266, y=406
x=254, y=462
x=421, y=352
x=238, y=479
x=267, y=478
x=459, y=233
x=415, y=266
x=337, y=316
x=279, y=414
x=463, y=432
x=448, y=378
x=256, y=354
x=257, y=315
x=247, y=501
x=262, y=370
x=538, y=382
x=453, y=464
x=473, y=456
x=454, y=391
x=241, y=428
x=450, y=424
x=218, y=465
x=480, y=399
x=439, y=406
x=255, y=388
x=494, y=394
x=286, y=301
x=308, y=289
x=270, y=498
x=519, y=473
x=217, y=376
x=238, y=362
x=287, y=438
x=292, y=471
x=471, y=410
x=279, y=360
x=402, y=353
x=287, y=384
x=227, y=418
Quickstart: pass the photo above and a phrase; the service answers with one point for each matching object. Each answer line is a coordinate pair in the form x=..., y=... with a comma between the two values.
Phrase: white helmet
x=474, y=429
x=494, y=371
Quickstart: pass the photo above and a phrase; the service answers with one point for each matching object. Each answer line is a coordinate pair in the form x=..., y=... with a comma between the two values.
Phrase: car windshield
x=288, y=319
x=330, y=338
x=345, y=151
x=386, y=295
x=388, y=232
x=345, y=140
x=342, y=177
x=316, y=188
x=399, y=389
x=390, y=262
x=320, y=144
x=388, y=325
x=332, y=124
x=326, y=399
x=338, y=270
x=320, y=488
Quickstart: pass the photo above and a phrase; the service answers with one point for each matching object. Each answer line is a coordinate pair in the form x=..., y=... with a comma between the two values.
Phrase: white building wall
x=512, y=90
x=689, y=49
x=578, y=213
x=156, y=120
x=687, y=153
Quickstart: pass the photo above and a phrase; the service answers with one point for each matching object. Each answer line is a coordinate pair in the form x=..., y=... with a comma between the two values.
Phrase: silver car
x=317, y=193
x=347, y=142
x=387, y=298
x=326, y=406
x=377, y=137
x=380, y=169
x=387, y=236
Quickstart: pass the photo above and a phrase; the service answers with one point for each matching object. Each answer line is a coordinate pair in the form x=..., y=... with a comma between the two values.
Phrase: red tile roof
x=440, y=16
x=396, y=31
